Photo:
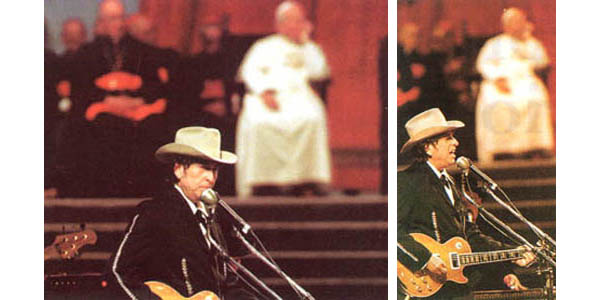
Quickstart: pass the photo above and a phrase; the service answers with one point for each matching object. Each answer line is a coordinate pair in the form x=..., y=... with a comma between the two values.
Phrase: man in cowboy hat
x=429, y=203
x=168, y=239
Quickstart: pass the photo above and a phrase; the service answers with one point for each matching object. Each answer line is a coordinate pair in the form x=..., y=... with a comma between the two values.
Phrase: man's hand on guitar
x=528, y=257
x=437, y=268
x=512, y=282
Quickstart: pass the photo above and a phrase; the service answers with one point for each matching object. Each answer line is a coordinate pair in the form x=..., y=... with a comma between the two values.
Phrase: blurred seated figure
x=459, y=79
x=209, y=76
x=282, y=137
x=207, y=73
x=73, y=35
x=411, y=73
x=119, y=98
x=142, y=29
x=410, y=70
x=512, y=112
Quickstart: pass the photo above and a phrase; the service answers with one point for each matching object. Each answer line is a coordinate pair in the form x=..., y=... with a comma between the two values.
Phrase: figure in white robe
x=512, y=113
x=287, y=145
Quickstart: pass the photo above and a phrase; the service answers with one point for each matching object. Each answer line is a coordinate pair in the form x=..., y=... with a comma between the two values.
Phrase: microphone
x=465, y=164
x=211, y=198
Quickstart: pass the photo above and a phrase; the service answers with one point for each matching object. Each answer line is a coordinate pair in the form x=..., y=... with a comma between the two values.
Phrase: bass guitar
x=165, y=292
x=456, y=254
x=65, y=246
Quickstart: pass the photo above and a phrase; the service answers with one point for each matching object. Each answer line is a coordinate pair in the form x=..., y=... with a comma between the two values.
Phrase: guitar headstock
x=67, y=245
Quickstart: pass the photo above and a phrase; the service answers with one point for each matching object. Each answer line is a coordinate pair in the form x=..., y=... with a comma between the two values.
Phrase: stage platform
x=335, y=247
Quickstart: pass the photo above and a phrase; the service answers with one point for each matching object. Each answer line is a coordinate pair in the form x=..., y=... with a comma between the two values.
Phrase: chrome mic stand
x=239, y=267
x=304, y=295
x=545, y=250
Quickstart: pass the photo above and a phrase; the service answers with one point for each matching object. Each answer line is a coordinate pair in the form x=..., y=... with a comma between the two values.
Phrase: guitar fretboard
x=489, y=257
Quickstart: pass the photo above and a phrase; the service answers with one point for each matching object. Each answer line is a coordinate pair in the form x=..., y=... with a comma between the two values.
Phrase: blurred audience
x=282, y=138
x=51, y=115
x=513, y=118
x=119, y=96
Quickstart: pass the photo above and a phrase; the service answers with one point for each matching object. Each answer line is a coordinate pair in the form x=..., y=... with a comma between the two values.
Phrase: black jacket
x=164, y=242
x=424, y=207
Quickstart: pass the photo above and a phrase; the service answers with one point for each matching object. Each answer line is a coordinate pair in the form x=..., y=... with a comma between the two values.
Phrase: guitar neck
x=477, y=258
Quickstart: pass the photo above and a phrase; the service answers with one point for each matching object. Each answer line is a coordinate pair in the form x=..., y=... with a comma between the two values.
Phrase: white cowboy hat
x=200, y=142
x=427, y=124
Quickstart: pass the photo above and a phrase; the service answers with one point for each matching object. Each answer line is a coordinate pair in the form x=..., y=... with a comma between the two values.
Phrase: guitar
x=65, y=246
x=456, y=254
x=165, y=292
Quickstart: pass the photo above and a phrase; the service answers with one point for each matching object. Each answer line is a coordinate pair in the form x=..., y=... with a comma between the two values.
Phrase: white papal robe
x=518, y=121
x=290, y=145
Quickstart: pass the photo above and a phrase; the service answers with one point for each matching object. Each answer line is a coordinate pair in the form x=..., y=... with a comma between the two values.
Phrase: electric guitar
x=456, y=254
x=65, y=246
x=165, y=292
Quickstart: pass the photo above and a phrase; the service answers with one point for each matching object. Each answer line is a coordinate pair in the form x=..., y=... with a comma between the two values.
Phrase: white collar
x=191, y=204
x=437, y=173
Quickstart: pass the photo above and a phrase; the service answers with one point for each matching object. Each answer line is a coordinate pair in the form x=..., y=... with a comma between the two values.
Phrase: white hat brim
x=432, y=131
x=166, y=153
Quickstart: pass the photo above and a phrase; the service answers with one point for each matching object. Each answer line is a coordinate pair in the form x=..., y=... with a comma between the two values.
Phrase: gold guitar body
x=422, y=284
x=165, y=292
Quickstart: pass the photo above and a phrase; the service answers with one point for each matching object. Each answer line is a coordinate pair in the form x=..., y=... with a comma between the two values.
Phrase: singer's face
x=196, y=178
x=443, y=151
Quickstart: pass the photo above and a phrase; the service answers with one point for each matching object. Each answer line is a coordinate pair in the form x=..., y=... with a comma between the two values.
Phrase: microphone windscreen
x=209, y=197
x=463, y=163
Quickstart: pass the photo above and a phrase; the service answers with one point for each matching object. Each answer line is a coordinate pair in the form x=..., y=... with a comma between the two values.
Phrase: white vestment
x=290, y=145
x=520, y=120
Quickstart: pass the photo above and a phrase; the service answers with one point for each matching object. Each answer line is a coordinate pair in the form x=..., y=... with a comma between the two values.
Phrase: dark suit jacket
x=164, y=242
x=424, y=207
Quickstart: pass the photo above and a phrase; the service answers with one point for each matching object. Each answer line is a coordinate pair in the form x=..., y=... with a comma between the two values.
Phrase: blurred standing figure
x=512, y=113
x=282, y=130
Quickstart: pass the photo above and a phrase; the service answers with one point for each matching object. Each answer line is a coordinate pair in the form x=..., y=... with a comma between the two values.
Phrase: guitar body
x=422, y=284
x=165, y=292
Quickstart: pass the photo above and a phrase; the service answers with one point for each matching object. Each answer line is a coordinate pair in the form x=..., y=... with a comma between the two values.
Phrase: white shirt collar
x=191, y=204
x=437, y=173
x=439, y=176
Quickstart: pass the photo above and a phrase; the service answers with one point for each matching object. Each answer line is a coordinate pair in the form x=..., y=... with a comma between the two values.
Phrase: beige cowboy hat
x=427, y=124
x=200, y=142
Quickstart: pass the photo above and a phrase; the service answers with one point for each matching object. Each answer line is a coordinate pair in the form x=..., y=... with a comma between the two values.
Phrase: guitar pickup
x=454, y=261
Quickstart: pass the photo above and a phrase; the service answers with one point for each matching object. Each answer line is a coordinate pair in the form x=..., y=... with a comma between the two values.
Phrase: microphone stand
x=304, y=295
x=546, y=265
x=239, y=267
